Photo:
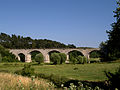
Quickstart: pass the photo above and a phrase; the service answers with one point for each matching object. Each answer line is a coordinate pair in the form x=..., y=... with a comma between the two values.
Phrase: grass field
x=91, y=72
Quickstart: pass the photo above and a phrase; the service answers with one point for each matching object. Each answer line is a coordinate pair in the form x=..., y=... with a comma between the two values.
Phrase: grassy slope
x=17, y=82
x=92, y=72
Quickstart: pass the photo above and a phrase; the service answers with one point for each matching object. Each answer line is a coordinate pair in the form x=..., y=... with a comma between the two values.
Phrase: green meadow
x=90, y=72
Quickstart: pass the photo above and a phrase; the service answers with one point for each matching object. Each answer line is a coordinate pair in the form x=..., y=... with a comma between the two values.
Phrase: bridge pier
x=46, y=58
x=67, y=60
x=28, y=58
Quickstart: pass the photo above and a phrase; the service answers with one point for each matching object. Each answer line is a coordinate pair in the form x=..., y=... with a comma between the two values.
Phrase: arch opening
x=33, y=55
x=94, y=54
x=74, y=54
x=22, y=57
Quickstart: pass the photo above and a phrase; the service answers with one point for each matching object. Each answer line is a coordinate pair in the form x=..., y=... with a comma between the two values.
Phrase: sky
x=79, y=22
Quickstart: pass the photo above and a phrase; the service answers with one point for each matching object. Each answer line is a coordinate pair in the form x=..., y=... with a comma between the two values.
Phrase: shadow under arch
x=94, y=54
x=22, y=57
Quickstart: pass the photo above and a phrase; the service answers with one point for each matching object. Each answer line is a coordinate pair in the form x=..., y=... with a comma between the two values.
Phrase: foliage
x=56, y=79
x=112, y=47
x=20, y=42
x=6, y=55
x=81, y=87
x=84, y=60
x=73, y=60
x=39, y=58
x=0, y=58
x=63, y=58
x=8, y=59
x=75, y=54
x=26, y=71
x=33, y=54
x=55, y=58
x=114, y=79
x=95, y=54
x=80, y=59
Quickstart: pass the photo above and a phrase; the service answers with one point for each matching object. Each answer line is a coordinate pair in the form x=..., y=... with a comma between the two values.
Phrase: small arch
x=22, y=57
x=75, y=54
x=33, y=54
x=94, y=54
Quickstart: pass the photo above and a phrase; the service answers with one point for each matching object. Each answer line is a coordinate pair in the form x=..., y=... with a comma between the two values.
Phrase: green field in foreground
x=91, y=72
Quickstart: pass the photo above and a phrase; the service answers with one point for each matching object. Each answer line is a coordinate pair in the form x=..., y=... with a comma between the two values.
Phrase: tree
x=80, y=59
x=63, y=57
x=113, y=43
x=39, y=58
x=55, y=58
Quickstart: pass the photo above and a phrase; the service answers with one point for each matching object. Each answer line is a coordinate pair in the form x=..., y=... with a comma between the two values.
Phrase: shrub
x=84, y=60
x=114, y=79
x=39, y=58
x=9, y=59
x=80, y=59
x=55, y=58
x=63, y=57
x=6, y=55
x=56, y=79
x=74, y=60
x=26, y=71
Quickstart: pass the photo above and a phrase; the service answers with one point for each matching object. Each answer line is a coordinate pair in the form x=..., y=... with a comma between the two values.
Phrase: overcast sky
x=79, y=22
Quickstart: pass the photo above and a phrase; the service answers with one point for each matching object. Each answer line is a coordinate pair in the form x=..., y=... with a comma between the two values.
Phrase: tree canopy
x=20, y=42
x=112, y=45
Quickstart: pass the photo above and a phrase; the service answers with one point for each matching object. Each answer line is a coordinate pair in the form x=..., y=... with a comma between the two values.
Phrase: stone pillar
x=28, y=58
x=88, y=58
x=18, y=57
x=67, y=60
x=46, y=58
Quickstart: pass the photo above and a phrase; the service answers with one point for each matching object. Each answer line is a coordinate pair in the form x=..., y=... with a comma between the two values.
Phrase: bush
x=6, y=55
x=39, y=58
x=56, y=79
x=9, y=59
x=114, y=79
x=74, y=60
x=84, y=60
x=55, y=58
x=80, y=59
x=26, y=71
x=63, y=58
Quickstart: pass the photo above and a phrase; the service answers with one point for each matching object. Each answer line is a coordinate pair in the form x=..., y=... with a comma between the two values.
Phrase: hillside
x=20, y=42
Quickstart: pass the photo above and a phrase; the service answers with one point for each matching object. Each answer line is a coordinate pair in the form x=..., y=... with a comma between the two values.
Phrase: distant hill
x=20, y=42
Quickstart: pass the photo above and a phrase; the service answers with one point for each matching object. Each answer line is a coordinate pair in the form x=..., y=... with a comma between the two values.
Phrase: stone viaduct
x=45, y=53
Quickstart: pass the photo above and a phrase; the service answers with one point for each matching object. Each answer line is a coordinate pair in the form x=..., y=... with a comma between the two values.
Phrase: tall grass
x=17, y=82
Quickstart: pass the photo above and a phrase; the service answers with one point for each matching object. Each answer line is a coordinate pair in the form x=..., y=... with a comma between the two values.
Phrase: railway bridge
x=45, y=53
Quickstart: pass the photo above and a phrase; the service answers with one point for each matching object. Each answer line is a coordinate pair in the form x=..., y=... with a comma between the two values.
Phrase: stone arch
x=21, y=57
